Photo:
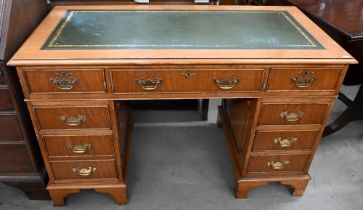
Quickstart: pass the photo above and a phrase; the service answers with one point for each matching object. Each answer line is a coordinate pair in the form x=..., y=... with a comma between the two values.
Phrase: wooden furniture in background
x=81, y=2
x=279, y=88
x=343, y=21
x=21, y=164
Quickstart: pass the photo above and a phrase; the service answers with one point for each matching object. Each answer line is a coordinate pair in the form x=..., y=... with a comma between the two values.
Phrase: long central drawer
x=130, y=80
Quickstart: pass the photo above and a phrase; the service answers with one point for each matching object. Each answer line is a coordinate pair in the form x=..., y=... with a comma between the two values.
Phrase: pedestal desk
x=277, y=72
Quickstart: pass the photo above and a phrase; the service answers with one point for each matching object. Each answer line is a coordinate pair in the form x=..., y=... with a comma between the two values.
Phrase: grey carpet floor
x=187, y=166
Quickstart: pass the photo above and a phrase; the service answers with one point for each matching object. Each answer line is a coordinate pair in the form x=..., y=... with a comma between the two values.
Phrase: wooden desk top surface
x=194, y=34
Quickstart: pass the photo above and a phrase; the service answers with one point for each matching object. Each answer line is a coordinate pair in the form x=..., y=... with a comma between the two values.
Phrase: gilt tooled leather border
x=51, y=42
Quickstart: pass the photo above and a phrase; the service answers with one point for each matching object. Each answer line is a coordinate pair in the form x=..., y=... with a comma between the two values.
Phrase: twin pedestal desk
x=277, y=72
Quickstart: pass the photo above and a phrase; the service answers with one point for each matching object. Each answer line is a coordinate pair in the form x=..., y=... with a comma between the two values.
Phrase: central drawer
x=78, y=145
x=75, y=117
x=84, y=169
x=126, y=80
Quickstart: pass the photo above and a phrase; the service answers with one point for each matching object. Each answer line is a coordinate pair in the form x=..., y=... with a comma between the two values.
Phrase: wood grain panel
x=62, y=145
x=2, y=78
x=264, y=140
x=5, y=100
x=312, y=113
x=64, y=170
x=126, y=81
x=12, y=131
x=95, y=117
x=281, y=79
x=17, y=159
x=89, y=80
x=296, y=163
x=187, y=80
x=249, y=80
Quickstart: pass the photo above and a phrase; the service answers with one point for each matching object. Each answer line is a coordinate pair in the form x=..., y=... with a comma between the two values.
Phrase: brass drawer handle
x=226, y=84
x=285, y=142
x=149, y=84
x=278, y=165
x=64, y=80
x=79, y=148
x=84, y=171
x=72, y=120
x=292, y=116
x=189, y=74
x=305, y=79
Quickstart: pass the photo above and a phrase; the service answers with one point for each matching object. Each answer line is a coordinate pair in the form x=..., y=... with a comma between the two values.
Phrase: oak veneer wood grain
x=88, y=80
x=296, y=163
x=93, y=117
x=324, y=79
x=301, y=140
x=173, y=80
x=312, y=113
x=64, y=170
x=66, y=146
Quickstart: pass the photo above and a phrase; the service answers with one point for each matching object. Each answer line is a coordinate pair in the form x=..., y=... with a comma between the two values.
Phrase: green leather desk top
x=198, y=29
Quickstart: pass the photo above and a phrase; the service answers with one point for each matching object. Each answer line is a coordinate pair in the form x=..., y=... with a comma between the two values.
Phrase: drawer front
x=221, y=80
x=144, y=81
x=284, y=140
x=14, y=159
x=5, y=100
x=303, y=79
x=84, y=169
x=73, y=117
x=185, y=81
x=2, y=76
x=65, y=81
x=12, y=131
x=291, y=114
x=278, y=163
x=79, y=145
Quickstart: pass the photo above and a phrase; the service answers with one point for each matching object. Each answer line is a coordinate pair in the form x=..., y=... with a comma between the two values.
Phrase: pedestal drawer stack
x=80, y=139
x=285, y=130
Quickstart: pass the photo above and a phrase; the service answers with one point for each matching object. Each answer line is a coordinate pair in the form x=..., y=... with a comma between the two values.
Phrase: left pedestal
x=84, y=146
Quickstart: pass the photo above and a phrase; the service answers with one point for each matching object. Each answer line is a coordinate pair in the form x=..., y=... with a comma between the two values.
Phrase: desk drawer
x=186, y=80
x=284, y=140
x=5, y=100
x=84, y=169
x=278, y=163
x=2, y=76
x=291, y=114
x=15, y=158
x=303, y=79
x=79, y=145
x=13, y=131
x=73, y=117
x=65, y=80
